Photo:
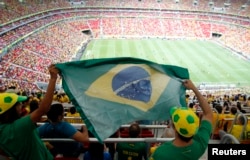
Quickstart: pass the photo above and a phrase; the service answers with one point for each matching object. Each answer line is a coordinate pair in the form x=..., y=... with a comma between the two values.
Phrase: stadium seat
x=229, y=139
x=146, y=133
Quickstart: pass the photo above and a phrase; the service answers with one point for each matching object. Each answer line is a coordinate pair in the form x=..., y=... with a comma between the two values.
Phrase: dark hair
x=191, y=105
x=134, y=130
x=233, y=110
x=96, y=151
x=10, y=115
x=225, y=104
x=33, y=105
x=72, y=110
x=55, y=111
x=218, y=108
x=185, y=139
x=238, y=105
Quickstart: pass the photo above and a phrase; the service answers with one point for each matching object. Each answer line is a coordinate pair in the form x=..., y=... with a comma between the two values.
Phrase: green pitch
x=206, y=61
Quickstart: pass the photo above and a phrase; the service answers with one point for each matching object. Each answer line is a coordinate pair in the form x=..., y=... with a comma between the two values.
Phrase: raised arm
x=207, y=111
x=47, y=100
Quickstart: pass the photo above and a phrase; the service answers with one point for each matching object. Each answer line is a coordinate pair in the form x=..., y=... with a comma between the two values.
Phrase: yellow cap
x=186, y=122
x=8, y=100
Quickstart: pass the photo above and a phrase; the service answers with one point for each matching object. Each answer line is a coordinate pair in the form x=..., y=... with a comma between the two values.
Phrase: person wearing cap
x=19, y=138
x=191, y=139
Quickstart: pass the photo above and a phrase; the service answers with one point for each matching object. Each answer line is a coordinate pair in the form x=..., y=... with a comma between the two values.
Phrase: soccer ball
x=185, y=121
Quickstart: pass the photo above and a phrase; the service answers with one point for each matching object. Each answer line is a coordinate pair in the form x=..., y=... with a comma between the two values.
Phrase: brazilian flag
x=115, y=91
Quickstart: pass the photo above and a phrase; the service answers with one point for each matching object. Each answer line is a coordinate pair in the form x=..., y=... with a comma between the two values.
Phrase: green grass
x=206, y=61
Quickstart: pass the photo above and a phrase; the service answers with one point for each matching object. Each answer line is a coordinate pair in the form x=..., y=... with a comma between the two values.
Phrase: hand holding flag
x=115, y=91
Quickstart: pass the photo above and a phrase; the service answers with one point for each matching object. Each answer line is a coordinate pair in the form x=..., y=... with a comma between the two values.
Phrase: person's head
x=233, y=110
x=10, y=107
x=96, y=151
x=185, y=122
x=218, y=108
x=225, y=104
x=56, y=112
x=191, y=105
x=72, y=110
x=2, y=87
x=34, y=104
x=134, y=130
x=238, y=105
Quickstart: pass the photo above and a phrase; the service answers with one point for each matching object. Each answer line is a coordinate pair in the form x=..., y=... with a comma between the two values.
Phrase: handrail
x=231, y=119
x=78, y=125
x=228, y=138
x=113, y=140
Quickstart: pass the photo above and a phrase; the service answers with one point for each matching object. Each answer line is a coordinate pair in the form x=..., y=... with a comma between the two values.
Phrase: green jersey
x=20, y=140
x=131, y=151
x=168, y=151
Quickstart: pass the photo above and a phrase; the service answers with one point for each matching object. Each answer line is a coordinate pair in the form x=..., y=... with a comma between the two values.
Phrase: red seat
x=145, y=133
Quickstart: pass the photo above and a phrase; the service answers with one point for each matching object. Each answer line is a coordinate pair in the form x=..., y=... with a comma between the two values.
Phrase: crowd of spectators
x=26, y=63
x=11, y=10
x=55, y=44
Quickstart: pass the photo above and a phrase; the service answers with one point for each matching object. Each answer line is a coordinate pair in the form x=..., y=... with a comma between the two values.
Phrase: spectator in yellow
x=237, y=128
x=55, y=96
x=73, y=116
x=218, y=120
x=210, y=98
x=231, y=115
x=72, y=112
x=64, y=98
